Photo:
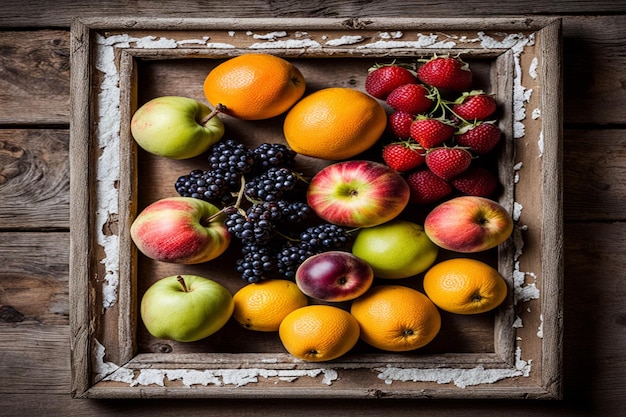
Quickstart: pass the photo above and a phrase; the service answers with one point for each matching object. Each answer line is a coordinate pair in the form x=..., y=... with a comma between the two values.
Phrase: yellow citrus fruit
x=262, y=306
x=334, y=123
x=396, y=249
x=396, y=318
x=319, y=332
x=254, y=86
x=465, y=286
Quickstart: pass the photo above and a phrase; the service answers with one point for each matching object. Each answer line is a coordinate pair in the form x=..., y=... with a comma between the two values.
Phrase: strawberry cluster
x=443, y=129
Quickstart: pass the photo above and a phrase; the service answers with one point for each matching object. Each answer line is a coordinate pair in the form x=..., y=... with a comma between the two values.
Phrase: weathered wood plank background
x=34, y=206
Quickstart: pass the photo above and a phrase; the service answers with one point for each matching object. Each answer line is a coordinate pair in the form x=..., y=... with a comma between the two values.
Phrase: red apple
x=180, y=230
x=334, y=276
x=468, y=224
x=358, y=193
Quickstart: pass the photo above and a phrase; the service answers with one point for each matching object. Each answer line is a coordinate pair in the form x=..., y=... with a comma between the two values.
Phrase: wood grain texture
x=34, y=176
x=594, y=175
x=34, y=278
x=593, y=57
x=14, y=13
x=34, y=77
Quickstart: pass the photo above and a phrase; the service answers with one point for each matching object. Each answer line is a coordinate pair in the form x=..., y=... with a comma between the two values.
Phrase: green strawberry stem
x=443, y=106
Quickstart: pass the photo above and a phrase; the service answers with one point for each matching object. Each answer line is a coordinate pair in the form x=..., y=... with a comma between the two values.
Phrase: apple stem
x=220, y=108
x=181, y=280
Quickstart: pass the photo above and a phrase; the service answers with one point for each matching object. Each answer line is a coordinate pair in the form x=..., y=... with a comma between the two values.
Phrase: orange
x=465, y=286
x=334, y=123
x=262, y=306
x=319, y=332
x=396, y=318
x=254, y=86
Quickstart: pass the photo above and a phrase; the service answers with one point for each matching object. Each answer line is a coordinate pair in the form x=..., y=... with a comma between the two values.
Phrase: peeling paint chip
x=460, y=377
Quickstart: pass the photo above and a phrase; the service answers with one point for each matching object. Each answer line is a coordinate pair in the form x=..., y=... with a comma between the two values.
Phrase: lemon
x=396, y=249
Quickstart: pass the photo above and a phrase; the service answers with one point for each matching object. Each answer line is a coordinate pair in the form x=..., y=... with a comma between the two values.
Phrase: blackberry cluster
x=256, y=263
x=291, y=255
x=278, y=230
x=271, y=184
x=266, y=170
x=325, y=236
x=294, y=212
x=231, y=156
x=215, y=186
x=269, y=155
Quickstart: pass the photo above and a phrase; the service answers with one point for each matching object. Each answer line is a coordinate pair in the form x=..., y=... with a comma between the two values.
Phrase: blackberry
x=214, y=185
x=291, y=255
x=257, y=262
x=268, y=155
x=325, y=236
x=294, y=212
x=266, y=210
x=271, y=185
x=255, y=229
x=232, y=156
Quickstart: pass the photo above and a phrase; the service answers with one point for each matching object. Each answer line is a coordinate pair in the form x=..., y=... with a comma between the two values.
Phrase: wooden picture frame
x=117, y=64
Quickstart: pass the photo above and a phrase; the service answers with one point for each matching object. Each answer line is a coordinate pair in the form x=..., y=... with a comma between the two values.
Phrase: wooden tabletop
x=35, y=226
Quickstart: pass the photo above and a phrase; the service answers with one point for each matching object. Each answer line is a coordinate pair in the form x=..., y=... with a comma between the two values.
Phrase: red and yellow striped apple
x=182, y=230
x=358, y=193
x=468, y=224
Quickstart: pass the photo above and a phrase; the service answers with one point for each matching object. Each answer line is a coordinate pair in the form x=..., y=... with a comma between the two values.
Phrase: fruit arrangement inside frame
x=407, y=192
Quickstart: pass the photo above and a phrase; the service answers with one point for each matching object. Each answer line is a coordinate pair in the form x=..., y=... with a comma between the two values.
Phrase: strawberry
x=446, y=73
x=426, y=187
x=480, y=138
x=475, y=105
x=411, y=98
x=403, y=156
x=476, y=181
x=447, y=162
x=399, y=123
x=383, y=79
x=430, y=132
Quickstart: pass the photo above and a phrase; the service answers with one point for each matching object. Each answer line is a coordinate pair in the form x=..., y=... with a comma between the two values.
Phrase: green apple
x=185, y=308
x=396, y=249
x=176, y=127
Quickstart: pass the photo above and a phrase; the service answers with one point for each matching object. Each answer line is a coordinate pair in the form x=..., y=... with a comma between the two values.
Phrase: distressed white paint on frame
x=460, y=377
x=109, y=371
